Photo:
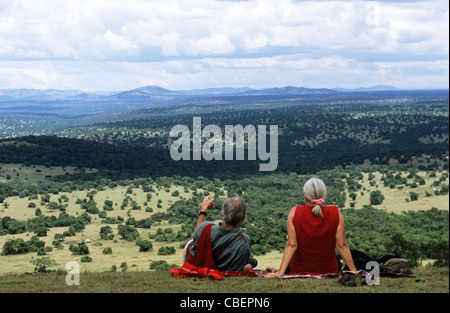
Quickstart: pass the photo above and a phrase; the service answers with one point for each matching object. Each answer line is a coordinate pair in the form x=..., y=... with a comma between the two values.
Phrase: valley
x=114, y=168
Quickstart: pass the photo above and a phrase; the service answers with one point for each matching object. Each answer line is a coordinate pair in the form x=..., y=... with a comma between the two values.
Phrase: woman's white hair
x=315, y=189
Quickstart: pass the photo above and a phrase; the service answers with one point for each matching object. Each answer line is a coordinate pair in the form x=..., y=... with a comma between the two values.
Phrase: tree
x=59, y=237
x=81, y=249
x=376, y=197
x=124, y=266
x=45, y=198
x=35, y=244
x=161, y=265
x=406, y=249
x=107, y=250
x=15, y=246
x=439, y=252
x=108, y=206
x=42, y=264
x=106, y=233
x=166, y=250
x=144, y=245
x=128, y=232
x=41, y=231
x=86, y=259
x=413, y=196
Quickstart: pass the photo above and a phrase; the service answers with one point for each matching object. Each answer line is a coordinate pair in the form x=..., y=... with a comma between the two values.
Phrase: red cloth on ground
x=189, y=270
x=316, y=237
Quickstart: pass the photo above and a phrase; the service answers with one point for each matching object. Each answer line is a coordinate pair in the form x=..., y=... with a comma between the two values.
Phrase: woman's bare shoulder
x=292, y=212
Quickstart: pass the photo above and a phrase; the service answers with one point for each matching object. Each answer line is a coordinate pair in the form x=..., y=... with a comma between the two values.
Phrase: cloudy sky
x=185, y=44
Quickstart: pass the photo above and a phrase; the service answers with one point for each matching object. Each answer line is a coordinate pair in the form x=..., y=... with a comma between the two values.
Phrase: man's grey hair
x=234, y=210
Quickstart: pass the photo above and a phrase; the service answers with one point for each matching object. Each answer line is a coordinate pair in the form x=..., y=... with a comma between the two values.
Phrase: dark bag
x=390, y=265
x=348, y=279
x=360, y=259
x=395, y=267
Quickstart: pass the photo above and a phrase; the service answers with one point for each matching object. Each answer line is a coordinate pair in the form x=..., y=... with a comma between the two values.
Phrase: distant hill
x=216, y=91
x=290, y=90
x=49, y=94
x=146, y=92
x=45, y=94
x=150, y=92
x=37, y=109
x=373, y=88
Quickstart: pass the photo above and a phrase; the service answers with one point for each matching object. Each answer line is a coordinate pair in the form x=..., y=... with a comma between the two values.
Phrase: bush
x=81, y=249
x=19, y=246
x=144, y=245
x=413, y=196
x=108, y=206
x=128, y=232
x=161, y=265
x=106, y=233
x=376, y=197
x=35, y=244
x=41, y=251
x=41, y=231
x=15, y=246
x=107, y=250
x=42, y=264
x=166, y=250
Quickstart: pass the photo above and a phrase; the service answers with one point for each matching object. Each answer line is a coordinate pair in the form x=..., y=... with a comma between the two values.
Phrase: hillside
x=383, y=157
x=164, y=211
x=315, y=132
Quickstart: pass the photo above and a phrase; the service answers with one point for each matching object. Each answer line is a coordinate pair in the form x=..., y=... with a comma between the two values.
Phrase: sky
x=110, y=45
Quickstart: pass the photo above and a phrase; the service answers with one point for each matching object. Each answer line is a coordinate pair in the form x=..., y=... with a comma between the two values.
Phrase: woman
x=314, y=231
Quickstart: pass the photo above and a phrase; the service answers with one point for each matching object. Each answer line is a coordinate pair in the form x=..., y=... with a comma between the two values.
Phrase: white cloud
x=209, y=45
x=225, y=42
x=116, y=42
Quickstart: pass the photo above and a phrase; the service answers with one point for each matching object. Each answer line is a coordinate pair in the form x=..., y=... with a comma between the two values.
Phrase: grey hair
x=315, y=189
x=234, y=210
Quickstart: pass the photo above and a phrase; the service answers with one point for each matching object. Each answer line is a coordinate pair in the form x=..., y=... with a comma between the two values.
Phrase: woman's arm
x=291, y=246
x=341, y=245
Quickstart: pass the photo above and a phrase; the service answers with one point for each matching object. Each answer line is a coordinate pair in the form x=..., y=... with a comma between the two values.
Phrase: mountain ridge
x=150, y=91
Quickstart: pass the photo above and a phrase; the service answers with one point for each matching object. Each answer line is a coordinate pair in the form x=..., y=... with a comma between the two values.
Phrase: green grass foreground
x=427, y=280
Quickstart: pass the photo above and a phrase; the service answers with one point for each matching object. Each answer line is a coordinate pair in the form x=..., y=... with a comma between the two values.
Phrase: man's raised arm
x=206, y=204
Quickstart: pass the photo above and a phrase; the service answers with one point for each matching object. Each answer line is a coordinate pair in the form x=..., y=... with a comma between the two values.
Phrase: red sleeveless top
x=316, y=237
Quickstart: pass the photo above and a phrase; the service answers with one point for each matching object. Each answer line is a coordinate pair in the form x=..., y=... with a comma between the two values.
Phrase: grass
x=395, y=198
x=427, y=280
x=122, y=250
x=139, y=278
x=18, y=172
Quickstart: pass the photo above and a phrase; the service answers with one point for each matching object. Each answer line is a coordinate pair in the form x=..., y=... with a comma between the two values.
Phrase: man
x=221, y=246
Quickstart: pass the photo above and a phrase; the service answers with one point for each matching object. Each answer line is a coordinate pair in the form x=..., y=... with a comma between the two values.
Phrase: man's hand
x=207, y=204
